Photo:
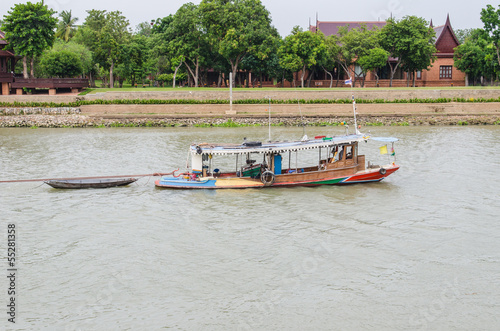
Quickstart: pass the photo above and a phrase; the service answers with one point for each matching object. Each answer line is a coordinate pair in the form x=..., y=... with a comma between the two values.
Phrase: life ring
x=382, y=171
x=267, y=178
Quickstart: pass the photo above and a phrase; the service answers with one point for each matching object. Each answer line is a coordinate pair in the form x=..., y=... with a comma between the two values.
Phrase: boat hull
x=90, y=183
x=305, y=179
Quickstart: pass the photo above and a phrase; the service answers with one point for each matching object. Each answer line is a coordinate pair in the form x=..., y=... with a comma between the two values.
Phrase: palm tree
x=66, y=26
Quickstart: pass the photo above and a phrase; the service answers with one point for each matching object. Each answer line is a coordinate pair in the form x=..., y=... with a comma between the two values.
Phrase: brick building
x=441, y=73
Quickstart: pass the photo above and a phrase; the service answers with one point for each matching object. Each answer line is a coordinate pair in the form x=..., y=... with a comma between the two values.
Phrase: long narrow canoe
x=89, y=183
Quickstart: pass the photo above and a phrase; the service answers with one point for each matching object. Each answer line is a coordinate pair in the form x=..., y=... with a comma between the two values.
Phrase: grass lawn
x=177, y=89
x=129, y=88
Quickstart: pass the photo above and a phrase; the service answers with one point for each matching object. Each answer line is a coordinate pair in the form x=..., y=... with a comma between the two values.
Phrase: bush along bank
x=80, y=121
x=40, y=110
x=79, y=103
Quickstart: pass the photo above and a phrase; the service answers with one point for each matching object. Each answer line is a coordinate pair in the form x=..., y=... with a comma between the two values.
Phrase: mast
x=354, y=109
x=269, y=119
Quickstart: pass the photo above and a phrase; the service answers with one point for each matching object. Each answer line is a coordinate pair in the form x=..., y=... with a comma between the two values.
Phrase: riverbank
x=83, y=121
x=209, y=107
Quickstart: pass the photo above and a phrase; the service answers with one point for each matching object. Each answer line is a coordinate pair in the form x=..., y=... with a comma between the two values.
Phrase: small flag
x=348, y=81
x=383, y=149
x=393, y=152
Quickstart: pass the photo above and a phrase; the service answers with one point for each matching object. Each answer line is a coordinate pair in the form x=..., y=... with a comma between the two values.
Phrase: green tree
x=161, y=24
x=476, y=56
x=83, y=53
x=66, y=26
x=373, y=60
x=491, y=20
x=463, y=34
x=237, y=28
x=133, y=60
x=29, y=29
x=144, y=29
x=418, y=51
x=411, y=42
x=188, y=40
x=352, y=44
x=104, y=33
x=61, y=64
x=301, y=50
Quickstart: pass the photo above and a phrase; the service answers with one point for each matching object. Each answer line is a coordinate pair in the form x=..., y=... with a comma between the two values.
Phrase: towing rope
x=156, y=174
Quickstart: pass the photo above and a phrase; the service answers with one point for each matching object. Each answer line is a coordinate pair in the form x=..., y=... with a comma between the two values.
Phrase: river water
x=420, y=250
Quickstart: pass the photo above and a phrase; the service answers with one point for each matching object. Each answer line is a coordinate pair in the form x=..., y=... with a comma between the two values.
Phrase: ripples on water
x=420, y=250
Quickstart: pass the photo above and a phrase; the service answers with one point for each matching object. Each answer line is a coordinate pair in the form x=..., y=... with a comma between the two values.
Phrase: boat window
x=349, y=152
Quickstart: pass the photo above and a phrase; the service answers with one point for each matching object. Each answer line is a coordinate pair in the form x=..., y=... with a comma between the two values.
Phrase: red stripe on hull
x=371, y=176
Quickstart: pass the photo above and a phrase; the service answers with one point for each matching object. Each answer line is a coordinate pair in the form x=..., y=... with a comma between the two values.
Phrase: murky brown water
x=420, y=250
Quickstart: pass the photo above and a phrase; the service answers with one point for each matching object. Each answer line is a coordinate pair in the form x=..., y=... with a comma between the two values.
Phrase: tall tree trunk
x=309, y=78
x=338, y=76
x=175, y=73
x=498, y=53
x=25, y=68
x=234, y=67
x=32, y=68
x=111, y=78
x=331, y=76
x=413, y=74
x=195, y=73
x=393, y=71
x=302, y=76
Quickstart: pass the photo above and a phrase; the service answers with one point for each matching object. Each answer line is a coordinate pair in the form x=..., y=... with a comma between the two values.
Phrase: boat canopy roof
x=385, y=139
x=276, y=147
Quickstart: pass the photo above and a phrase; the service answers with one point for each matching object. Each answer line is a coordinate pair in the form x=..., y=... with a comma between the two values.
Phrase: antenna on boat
x=304, y=136
x=354, y=109
x=302, y=120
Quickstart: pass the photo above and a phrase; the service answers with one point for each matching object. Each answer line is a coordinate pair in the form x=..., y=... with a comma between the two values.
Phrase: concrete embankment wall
x=309, y=94
x=325, y=110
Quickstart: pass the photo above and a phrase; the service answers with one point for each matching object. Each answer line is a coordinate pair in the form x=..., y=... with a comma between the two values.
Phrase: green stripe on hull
x=319, y=182
x=330, y=181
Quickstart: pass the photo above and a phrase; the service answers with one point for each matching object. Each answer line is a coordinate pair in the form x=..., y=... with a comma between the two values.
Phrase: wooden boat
x=89, y=183
x=337, y=163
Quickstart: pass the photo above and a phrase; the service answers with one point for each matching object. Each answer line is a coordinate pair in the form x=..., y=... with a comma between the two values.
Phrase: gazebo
x=12, y=83
x=7, y=63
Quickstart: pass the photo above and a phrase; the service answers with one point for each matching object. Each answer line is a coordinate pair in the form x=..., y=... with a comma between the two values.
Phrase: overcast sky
x=288, y=13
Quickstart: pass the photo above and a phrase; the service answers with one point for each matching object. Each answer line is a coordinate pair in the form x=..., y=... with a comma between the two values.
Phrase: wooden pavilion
x=14, y=84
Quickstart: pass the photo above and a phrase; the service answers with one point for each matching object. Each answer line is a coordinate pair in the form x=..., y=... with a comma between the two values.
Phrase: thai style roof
x=446, y=40
x=332, y=28
x=276, y=147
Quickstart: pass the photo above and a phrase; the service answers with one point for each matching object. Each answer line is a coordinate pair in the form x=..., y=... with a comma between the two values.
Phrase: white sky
x=288, y=13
